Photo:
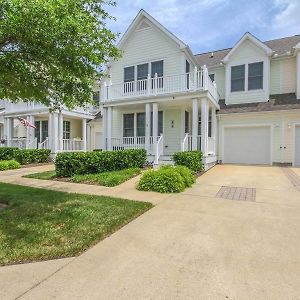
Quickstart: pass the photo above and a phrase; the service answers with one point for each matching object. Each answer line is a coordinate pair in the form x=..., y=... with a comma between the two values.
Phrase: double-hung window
x=128, y=125
x=142, y=74
x=157, y=67
x=238, y=78
x=66, y=130
x=255, y=76
x=128, y=79
x=140, y=124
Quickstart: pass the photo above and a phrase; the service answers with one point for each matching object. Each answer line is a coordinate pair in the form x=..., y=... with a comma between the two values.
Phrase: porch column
x=195, y=121
x=84, y=134
x=60, y=131
x=109, y=128
x=204, y=125
x=27, y=133
x=147, y=126
x=104, y=126
x=8, y=130
x=50, y=129
x=155, y=122
x=32, y=130
x=55, y=133
x=214, y=127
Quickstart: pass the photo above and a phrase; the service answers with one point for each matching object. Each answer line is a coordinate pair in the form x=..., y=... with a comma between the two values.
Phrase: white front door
x=297, y=145
x=247, y=145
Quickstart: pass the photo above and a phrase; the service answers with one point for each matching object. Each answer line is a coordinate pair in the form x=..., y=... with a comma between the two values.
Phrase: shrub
x=167, y=179
x=29, y=156
x=190, y=159
x=69, y=164
x=8, y=165
x=7, y=153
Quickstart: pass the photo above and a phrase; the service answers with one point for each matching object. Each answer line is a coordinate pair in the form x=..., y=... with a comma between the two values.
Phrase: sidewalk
x=125, y=190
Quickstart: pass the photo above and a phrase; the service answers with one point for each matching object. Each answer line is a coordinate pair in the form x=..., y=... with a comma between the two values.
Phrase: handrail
x=44, y=144
x=159, y=149
x=184, y=142
x=32, y=144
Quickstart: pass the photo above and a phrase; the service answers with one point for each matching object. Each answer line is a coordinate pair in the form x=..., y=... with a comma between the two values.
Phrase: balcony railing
x=160, y=85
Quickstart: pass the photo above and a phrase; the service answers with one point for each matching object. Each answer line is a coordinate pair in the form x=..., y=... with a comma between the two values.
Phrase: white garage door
x=247, y=145
x=297, y=146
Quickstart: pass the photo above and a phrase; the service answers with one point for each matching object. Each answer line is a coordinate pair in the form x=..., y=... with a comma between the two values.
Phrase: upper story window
x=238, y=78
x=255, y=76
x=157, y=67
x=96, y=97
x=129, y=74
x=142, y=71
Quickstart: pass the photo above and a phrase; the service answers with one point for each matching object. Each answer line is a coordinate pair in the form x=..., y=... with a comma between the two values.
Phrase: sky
x=207, y=25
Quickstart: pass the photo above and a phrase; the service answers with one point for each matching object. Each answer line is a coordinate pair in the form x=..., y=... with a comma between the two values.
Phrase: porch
x=163, y=127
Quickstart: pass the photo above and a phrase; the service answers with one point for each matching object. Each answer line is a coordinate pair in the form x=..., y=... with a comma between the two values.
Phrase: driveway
x=191, y=246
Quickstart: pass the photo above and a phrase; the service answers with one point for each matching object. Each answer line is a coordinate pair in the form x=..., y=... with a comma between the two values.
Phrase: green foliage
x=9, y=165
x=53, y=51
x=30, y=156
x=7, y=153
x=167, y=179
x=190, y=159
x=112, y=178
x=40, y=224
x=68, y=164
x=48, y=175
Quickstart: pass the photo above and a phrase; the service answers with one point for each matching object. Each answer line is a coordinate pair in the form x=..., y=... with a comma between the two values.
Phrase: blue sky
x=207, y=25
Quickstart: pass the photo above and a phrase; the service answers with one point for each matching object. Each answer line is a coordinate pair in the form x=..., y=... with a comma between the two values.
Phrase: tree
x=53, y=51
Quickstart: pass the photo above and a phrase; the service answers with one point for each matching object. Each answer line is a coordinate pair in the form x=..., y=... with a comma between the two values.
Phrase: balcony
x=160, y=86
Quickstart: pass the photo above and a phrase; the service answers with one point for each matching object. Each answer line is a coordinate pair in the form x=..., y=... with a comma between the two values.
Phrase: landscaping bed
x=109, y=179
x=40, y=224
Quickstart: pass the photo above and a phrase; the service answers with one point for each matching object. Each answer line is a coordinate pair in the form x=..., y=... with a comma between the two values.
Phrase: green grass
x=106, y=178
x=41, y=224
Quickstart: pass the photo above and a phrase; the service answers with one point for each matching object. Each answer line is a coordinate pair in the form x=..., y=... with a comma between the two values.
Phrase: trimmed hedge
x=30, y=156
x=189, y=159
x=25, y=156
x=9, y=165
x=7, y=153
x=167, y=179
x=71, y=163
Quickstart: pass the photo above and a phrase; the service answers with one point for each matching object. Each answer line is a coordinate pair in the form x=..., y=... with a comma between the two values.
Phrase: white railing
x=160, y=85
x=72, y=145
x=186, y=144
x=20, y=143
x=138, y=142
x=44, y=144
x=211, y=145
x=159, y=148
x=32, y=144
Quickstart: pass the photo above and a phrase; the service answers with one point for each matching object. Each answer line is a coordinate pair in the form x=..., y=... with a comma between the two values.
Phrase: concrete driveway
x=190, y=246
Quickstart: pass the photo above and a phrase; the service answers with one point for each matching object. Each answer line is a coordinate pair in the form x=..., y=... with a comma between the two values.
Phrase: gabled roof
x=143, y=14
x=254, y=40
x=279, y=46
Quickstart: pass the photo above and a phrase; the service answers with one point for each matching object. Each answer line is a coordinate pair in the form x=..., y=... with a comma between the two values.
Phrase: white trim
x=271, y=126
x=254, y=40
x=296, y=124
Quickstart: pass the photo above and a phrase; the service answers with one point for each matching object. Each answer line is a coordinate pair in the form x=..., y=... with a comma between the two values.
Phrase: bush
x=7, y=153
x=189, y=159
x=71, y=163
x=167, y=179
x=29, y=156
x=8, y=165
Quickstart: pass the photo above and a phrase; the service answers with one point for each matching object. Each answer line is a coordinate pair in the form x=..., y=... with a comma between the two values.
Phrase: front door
x=41, y=131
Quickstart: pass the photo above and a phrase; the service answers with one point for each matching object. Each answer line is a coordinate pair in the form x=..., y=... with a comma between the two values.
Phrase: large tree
x=52, y=51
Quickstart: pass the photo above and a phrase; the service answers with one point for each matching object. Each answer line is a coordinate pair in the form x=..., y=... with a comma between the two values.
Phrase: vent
x=143, y=25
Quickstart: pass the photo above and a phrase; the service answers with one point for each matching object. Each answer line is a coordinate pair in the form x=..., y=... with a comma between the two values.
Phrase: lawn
x=106, y=178
x=41, y=224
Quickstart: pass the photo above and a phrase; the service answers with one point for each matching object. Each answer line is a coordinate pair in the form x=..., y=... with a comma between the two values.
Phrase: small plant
x=7, y=153
x=9, y=165
x=29, y=156
x=189, y=159
x=167, y=179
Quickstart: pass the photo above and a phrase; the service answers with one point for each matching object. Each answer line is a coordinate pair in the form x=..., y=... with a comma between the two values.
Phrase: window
x=212, y=77
x=157, y=67
x=255, y=76
x=209, y=123
x=129, y=74
x=187, y=71
x=41, y=130
x=140, y=124
x=186, y=122
x=44, y=130
x=96, y=97
x=238, y=78
x=142, y=74
x=160, y=123
x=128, y=125
x=66, y=130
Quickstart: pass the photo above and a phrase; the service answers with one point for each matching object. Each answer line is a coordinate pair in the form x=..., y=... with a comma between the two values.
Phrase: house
x=238, y=105
x=67, y=130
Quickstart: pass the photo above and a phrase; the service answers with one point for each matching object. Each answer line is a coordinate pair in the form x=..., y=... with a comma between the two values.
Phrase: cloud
x=214, y=24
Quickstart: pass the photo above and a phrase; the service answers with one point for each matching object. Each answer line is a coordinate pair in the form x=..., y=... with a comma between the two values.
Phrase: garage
x=297, y=145
x=247, y=145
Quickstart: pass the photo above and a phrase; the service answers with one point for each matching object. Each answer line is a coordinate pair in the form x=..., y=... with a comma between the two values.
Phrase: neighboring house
x=161, y=97
x=67, y=130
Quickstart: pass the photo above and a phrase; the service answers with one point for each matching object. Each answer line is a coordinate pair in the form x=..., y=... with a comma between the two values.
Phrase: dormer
x=247, y=69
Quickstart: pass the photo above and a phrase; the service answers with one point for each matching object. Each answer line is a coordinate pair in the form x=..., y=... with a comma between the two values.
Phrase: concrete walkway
x=125, y=190
x=190, y=246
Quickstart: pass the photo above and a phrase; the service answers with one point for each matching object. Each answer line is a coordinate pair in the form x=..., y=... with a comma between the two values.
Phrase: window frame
x=255, y=76
x=66, y=132
x=239, y=78
x=128, y=128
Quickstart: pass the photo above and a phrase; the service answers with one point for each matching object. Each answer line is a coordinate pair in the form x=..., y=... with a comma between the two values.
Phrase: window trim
x=65, y=132
x=134, y=125
x=245, y=72
x=262, y=76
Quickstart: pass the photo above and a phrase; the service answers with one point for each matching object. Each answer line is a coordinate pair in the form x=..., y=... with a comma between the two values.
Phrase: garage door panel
x=297, y=146
x=247, y=145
